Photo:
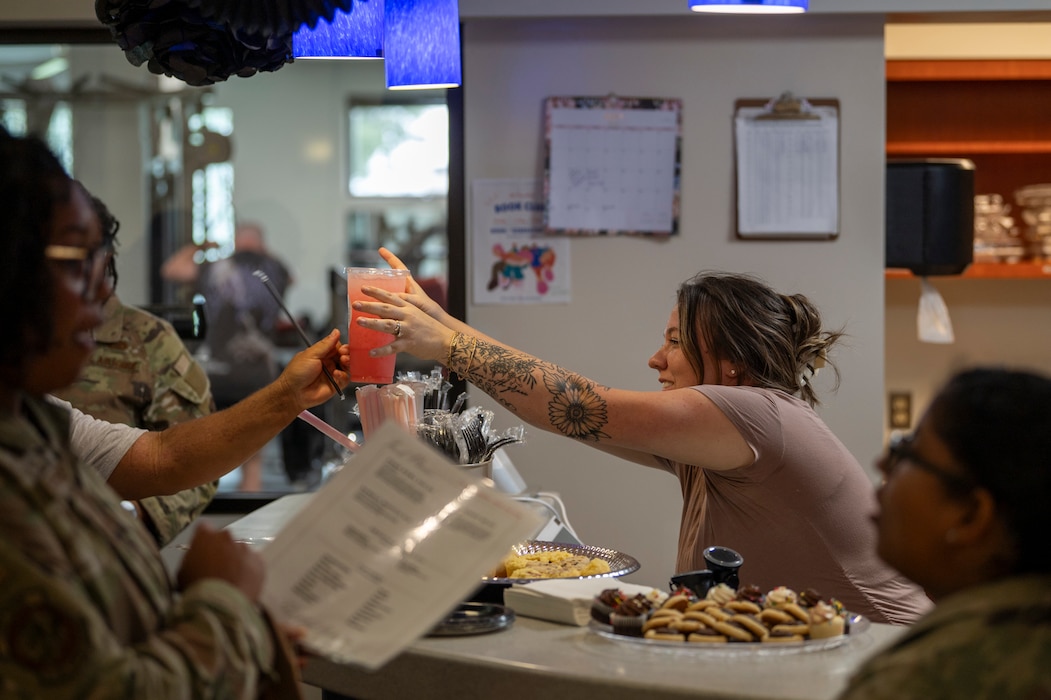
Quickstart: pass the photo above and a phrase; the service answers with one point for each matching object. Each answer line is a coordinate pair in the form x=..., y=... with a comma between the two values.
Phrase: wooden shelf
x=1021, y=270
x=997, y=113
x=919, y=71
x=957, y=149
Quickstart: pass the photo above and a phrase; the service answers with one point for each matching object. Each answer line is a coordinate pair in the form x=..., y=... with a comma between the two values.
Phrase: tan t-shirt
x=800, y=515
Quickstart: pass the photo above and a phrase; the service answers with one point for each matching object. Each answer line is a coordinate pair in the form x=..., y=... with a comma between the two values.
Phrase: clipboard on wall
x=786, y=153
x=612, y=165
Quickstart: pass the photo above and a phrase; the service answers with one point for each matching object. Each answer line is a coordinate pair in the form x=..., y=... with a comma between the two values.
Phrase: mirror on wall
x=308, y=153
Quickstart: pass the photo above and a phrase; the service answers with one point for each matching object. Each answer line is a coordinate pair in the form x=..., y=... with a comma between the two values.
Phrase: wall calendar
x=612, y=165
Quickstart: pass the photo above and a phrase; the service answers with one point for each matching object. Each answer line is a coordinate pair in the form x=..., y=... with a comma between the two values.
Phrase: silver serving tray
x=620, y=564
x=474, y=618
x=857, y=626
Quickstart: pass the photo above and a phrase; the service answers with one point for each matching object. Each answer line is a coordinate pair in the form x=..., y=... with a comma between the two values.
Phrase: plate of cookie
x=727, y=621
x=538, y=560
x=689, y=640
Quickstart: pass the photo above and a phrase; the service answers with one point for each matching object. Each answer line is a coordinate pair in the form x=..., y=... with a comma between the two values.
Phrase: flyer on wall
x=514, y=261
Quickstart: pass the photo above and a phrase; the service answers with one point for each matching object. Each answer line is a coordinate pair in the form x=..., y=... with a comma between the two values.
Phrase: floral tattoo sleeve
x=574, y=407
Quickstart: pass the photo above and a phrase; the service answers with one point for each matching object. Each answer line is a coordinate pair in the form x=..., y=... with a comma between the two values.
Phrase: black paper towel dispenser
x=930, y=215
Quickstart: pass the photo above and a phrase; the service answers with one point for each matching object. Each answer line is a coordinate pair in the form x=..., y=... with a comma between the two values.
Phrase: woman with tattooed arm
x=733, y=422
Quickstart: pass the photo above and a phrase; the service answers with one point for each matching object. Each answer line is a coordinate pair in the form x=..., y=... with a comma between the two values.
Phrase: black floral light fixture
x=203, y=42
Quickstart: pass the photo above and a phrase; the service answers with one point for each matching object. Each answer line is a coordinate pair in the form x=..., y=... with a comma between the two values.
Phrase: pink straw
x=330, y=431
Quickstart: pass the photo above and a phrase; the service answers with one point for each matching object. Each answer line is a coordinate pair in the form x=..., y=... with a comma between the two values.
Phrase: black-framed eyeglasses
x=900, y=450
x=88, y=266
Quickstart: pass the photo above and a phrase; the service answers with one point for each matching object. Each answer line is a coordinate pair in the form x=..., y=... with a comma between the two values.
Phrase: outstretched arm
x=681, y=425
x=181, y=266
x=201, y=450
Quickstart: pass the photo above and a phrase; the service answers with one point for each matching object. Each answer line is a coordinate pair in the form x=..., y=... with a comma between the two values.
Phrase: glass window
x=213, y=182
x=399, y=149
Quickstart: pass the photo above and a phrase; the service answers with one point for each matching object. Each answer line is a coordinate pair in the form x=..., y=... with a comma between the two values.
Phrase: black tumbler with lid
x=724, y=564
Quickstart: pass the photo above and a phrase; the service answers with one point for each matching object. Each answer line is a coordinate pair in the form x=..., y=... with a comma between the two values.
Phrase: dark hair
x=32, y=184
x=775, y=340
x=110, y=226
x=997, y=425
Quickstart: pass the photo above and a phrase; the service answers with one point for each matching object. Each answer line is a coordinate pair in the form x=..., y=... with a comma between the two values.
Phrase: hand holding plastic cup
x=363, y=368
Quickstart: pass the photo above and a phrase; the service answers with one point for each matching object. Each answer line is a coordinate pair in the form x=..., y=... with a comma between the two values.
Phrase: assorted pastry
x=723, y=616
x=551, y=564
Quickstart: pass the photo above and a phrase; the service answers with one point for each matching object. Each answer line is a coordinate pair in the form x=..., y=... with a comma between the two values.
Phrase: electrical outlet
x=900, y=410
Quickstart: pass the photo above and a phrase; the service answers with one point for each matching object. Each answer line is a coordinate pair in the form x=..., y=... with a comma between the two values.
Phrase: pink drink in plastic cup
x=365, y=369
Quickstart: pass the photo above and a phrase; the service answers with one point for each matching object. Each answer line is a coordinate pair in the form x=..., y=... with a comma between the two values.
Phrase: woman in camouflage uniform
x=86, y=606
x=141, y=374
x=964, y=513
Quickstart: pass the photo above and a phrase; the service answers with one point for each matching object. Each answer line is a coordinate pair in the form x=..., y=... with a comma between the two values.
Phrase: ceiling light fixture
x=357, y=33
x=50, y=68
x=757, y=7
x=421, y=44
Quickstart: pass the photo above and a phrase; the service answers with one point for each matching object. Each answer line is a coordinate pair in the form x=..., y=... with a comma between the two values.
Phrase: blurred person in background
x=141, y=374
x=242, y=320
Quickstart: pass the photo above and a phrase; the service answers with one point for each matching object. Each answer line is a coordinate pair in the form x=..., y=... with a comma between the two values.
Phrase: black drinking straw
x=306, y=341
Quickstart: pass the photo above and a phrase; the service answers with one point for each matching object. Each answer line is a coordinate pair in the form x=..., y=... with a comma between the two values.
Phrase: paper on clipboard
x=787, y=168
x=386, y=548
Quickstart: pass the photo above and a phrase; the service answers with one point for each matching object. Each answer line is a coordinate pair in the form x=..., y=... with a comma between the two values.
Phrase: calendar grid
x=612, y=165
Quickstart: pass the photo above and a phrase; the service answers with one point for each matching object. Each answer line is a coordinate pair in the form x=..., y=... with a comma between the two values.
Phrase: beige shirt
x=800, y=515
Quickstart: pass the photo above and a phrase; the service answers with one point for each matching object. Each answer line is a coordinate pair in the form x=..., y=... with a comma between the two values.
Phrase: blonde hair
x=775, y=340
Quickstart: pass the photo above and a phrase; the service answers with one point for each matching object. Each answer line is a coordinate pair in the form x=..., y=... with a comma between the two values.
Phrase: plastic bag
x=932, y=321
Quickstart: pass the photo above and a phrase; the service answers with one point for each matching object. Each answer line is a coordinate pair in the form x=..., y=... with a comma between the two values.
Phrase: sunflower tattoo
x=576, y=410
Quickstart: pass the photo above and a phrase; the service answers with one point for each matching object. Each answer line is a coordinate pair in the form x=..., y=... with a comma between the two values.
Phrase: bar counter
x=534, y=658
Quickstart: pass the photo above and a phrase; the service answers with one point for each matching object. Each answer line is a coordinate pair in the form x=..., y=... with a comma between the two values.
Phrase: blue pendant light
x=421, y=44
x=354, y=34
x=757, y=7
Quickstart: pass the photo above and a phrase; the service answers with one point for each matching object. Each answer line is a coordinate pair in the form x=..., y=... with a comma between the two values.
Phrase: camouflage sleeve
x=181, y=392
x=982, y=654
x=87, y=609
x=166, y=516
x=57, y=645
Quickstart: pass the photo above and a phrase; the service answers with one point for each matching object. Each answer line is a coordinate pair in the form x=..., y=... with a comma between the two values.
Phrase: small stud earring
x=733, y=373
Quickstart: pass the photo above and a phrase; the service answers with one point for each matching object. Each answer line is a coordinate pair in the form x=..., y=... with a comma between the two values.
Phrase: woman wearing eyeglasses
x=965, y=512
x=86, y=605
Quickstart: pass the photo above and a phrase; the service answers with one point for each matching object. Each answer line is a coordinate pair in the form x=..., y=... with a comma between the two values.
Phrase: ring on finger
x=397, y=329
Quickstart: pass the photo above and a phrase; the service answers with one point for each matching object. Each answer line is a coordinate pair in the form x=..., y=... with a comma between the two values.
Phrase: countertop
x=534, y=658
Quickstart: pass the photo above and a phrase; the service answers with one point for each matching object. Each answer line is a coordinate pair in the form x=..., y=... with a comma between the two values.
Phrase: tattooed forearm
x=574, y=408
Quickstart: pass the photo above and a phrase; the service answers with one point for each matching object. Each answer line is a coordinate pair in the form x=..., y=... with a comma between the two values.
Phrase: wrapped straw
x=377, y=405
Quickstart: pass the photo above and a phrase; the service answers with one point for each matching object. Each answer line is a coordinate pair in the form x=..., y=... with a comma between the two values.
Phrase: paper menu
x=392, y=543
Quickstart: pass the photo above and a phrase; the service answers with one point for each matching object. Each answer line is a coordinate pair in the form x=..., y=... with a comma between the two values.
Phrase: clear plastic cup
x=365, y=369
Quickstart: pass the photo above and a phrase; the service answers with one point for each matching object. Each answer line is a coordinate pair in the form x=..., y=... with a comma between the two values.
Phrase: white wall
x=623, y=288
x=288, y=153
x=109, y=157
x=289, y=164
x=968, y=40
x=81, y=12
x=474, y=9
x=995, y=321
